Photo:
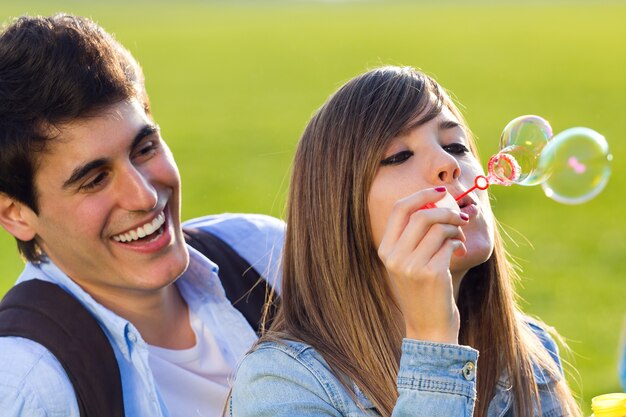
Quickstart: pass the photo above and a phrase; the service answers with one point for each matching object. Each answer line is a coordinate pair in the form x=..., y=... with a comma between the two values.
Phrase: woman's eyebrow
x=448, y=124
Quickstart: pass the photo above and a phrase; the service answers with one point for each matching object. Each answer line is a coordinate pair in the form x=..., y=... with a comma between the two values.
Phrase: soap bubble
x=577, y=165
x=521, y=143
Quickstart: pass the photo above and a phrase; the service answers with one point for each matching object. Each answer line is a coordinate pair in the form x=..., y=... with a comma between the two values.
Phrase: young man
x=91, y=193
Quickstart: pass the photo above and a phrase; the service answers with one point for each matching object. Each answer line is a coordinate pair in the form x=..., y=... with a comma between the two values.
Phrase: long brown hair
x=335, y=293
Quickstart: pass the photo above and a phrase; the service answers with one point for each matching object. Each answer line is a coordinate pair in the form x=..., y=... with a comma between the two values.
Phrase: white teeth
x=142, y=231
x=148, y=229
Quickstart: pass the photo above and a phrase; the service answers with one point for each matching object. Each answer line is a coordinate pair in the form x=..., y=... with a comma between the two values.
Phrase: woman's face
x=432, y=155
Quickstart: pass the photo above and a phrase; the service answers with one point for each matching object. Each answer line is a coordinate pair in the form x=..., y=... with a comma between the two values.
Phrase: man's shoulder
x=22, y=360
x=31, y=378
x=256, y=237
x=239, y=223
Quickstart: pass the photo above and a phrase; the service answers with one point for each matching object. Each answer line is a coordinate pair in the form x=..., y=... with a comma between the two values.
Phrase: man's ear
x=17, y=218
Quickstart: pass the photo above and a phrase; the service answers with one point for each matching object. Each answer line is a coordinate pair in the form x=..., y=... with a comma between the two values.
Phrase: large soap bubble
x=577, y=164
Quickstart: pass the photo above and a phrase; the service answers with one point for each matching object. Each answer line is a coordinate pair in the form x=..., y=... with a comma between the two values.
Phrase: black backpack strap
x=244, y=286
x=45, y=313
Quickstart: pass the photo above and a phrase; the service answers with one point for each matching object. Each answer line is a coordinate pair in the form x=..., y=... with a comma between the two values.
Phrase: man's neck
x=162, y=316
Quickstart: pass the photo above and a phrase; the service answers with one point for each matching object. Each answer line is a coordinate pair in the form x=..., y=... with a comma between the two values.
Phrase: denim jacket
x=434, y=379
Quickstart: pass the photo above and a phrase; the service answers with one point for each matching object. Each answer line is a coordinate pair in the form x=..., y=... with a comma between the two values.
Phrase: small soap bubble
x=577, y=164
x=503, y=169
x=522, y=140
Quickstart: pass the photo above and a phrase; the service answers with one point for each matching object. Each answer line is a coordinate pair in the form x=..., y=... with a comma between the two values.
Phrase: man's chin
x=179, y=265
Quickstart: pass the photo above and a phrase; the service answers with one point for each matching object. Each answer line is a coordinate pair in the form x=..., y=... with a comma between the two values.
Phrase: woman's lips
x=471, y=210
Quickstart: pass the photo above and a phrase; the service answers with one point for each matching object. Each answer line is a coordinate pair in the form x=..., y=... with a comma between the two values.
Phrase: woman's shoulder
x=284, y=370
x=289, y=358
x=544, y=335
x=288, y=352
x=543, y=332
x=286, y=377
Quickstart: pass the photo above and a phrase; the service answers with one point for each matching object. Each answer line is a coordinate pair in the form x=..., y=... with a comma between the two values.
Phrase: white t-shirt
x=194, y=382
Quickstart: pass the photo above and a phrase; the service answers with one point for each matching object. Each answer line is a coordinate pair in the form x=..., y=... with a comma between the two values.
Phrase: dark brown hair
x=54, y=70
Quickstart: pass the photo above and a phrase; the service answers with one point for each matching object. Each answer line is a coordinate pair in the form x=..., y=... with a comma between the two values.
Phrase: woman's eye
x=456, y=149
x=397, y=158
x=95, y=183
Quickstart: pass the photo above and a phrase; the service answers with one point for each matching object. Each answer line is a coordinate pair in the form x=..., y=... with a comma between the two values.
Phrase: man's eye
x=397, y=158
x=147, y=149
x=456, y=149
x=95, y=183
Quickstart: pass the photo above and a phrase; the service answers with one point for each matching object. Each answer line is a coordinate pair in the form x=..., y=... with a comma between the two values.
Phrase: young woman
x=386, y=304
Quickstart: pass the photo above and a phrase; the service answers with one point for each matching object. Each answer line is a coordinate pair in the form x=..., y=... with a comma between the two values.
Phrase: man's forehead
x=94, y=137
x=120, y=118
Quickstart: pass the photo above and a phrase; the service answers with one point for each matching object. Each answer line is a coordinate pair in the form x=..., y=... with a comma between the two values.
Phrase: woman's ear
x=17, y=218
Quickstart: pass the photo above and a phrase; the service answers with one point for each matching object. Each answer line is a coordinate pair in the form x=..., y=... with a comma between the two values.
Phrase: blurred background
x=233, y=84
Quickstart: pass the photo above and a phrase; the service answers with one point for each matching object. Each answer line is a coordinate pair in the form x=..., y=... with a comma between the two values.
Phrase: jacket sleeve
x=436, y=380
x=271, y=383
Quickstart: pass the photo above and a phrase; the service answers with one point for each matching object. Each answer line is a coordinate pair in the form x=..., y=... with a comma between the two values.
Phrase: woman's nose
x=446, y=168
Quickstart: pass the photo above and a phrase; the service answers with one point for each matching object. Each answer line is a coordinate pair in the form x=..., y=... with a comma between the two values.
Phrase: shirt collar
x=199, y=285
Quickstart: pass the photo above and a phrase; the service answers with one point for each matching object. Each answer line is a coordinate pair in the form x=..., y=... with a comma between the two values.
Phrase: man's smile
x=141, y=232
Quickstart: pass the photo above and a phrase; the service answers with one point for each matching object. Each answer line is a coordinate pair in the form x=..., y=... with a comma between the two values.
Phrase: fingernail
x=440, y=189
x=464, y=216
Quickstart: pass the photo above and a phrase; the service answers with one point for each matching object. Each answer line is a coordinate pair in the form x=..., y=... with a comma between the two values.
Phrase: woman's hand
x=416, y=249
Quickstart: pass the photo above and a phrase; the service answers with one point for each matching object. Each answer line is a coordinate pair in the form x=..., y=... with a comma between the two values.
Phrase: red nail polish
x=464, y=216
x=440, y=189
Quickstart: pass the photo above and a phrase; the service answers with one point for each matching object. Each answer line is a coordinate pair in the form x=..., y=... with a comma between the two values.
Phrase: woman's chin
x=475, y=254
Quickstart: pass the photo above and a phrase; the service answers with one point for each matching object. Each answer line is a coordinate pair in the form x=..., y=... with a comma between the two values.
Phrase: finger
x=422, y=221
x=405, y=207
x=441, y=260
x=434, y=240
x=420, y=224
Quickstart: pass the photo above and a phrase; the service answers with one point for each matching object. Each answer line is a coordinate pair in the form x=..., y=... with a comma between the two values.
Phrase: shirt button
x=469, y=371
x=132, y=337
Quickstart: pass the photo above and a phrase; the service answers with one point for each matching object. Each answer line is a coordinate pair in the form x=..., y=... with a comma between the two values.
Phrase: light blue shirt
x=33, y=382
x=434, y=380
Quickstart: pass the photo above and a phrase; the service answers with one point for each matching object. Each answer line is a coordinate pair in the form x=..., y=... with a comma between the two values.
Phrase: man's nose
x=137, y=192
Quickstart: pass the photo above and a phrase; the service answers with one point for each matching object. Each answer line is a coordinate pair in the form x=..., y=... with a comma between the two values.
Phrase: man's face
x=109, y=204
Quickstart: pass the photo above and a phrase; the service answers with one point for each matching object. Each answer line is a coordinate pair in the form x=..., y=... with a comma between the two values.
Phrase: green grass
x=232, y=87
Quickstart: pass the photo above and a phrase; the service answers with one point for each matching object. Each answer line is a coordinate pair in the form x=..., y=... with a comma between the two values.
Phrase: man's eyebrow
x=84, y=170
x=147, y=130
